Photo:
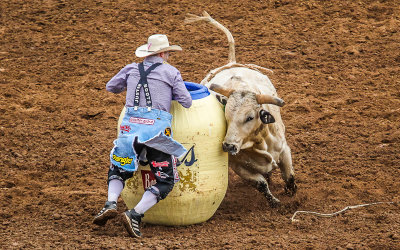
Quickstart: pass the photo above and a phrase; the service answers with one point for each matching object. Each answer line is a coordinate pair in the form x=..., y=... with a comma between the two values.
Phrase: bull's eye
x=249, y=118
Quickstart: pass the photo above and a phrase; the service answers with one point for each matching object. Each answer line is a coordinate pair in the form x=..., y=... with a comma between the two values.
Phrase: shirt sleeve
x=180, y=92
x=117, y=84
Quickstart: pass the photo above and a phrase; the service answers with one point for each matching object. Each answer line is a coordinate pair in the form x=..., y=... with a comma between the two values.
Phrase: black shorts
x=162, y=165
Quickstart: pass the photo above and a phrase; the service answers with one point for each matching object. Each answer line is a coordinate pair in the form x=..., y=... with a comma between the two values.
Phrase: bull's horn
x=268, y=99
x=221, y=90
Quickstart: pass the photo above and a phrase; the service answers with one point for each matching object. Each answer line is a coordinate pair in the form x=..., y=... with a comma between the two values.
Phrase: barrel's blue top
x=197, y=91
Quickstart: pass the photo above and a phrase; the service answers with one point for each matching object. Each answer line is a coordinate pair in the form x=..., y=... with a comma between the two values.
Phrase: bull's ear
x=266, y=117
x=269, y=99
x=220, y=90
x=222, y=99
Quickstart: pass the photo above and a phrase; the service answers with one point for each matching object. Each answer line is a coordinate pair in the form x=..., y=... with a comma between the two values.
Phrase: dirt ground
x=336, y=64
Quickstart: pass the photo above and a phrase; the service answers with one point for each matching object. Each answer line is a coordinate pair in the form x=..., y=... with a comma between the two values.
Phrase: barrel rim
x=197, y=91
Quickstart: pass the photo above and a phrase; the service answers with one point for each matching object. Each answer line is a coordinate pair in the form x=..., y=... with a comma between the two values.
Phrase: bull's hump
x=241, y=78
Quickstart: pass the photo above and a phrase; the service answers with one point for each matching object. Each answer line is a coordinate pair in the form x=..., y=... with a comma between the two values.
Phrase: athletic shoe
x=109, y=211
x=131, y=221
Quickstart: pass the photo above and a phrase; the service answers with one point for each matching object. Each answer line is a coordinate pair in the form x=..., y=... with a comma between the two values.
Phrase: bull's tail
x=206, y=17
x=231, y=57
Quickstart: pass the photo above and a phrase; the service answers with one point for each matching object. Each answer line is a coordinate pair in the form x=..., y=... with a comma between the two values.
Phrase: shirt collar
x=153, y=59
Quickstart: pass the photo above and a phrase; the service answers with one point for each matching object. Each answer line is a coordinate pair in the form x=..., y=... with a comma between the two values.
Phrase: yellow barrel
x=204, y=169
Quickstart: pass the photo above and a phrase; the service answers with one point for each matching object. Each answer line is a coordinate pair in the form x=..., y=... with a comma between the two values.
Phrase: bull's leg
x=268, y=157
x=287, y=171
x=267, y=176
x=271, y=164
x=259, y=182
x=262, y=186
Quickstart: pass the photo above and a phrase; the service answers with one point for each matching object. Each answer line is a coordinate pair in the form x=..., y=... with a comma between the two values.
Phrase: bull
x=255, y=137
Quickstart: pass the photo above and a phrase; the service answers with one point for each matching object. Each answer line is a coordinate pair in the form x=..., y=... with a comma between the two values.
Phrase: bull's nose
x=230, y=148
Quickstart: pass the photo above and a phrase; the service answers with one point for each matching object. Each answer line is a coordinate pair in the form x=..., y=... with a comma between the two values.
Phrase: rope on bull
x=338, y=212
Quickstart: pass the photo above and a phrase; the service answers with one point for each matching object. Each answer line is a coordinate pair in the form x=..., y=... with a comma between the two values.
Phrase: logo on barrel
x=189, y=161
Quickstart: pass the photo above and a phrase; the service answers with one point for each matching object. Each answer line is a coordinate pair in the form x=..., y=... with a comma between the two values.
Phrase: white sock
x=148, y=200
x=114, y=189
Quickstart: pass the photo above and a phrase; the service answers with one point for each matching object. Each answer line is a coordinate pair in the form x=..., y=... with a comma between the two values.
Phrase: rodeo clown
x=145, y=132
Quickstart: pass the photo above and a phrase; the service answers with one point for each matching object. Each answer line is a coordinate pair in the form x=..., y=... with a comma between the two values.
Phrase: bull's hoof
x=291, y=187
x=273, y=202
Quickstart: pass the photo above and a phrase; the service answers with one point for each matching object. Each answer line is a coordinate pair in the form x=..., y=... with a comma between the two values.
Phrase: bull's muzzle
x=230, y=148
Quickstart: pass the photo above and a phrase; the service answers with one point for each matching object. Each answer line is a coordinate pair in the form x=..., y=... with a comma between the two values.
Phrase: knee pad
x=155, y=191
x=161, y=190
x=113, y=177
x=116, y=173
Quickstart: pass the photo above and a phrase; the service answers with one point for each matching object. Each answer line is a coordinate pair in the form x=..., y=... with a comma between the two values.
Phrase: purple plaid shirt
x=165, y=84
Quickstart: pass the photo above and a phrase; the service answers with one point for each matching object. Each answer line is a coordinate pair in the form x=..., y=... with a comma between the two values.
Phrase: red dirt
x=336, y=64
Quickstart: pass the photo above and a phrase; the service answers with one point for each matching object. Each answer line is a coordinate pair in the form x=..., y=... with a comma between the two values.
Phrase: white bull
x=255, y=138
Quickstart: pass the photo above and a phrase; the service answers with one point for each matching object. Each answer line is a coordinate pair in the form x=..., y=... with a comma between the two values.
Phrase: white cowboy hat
x=156, y=44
